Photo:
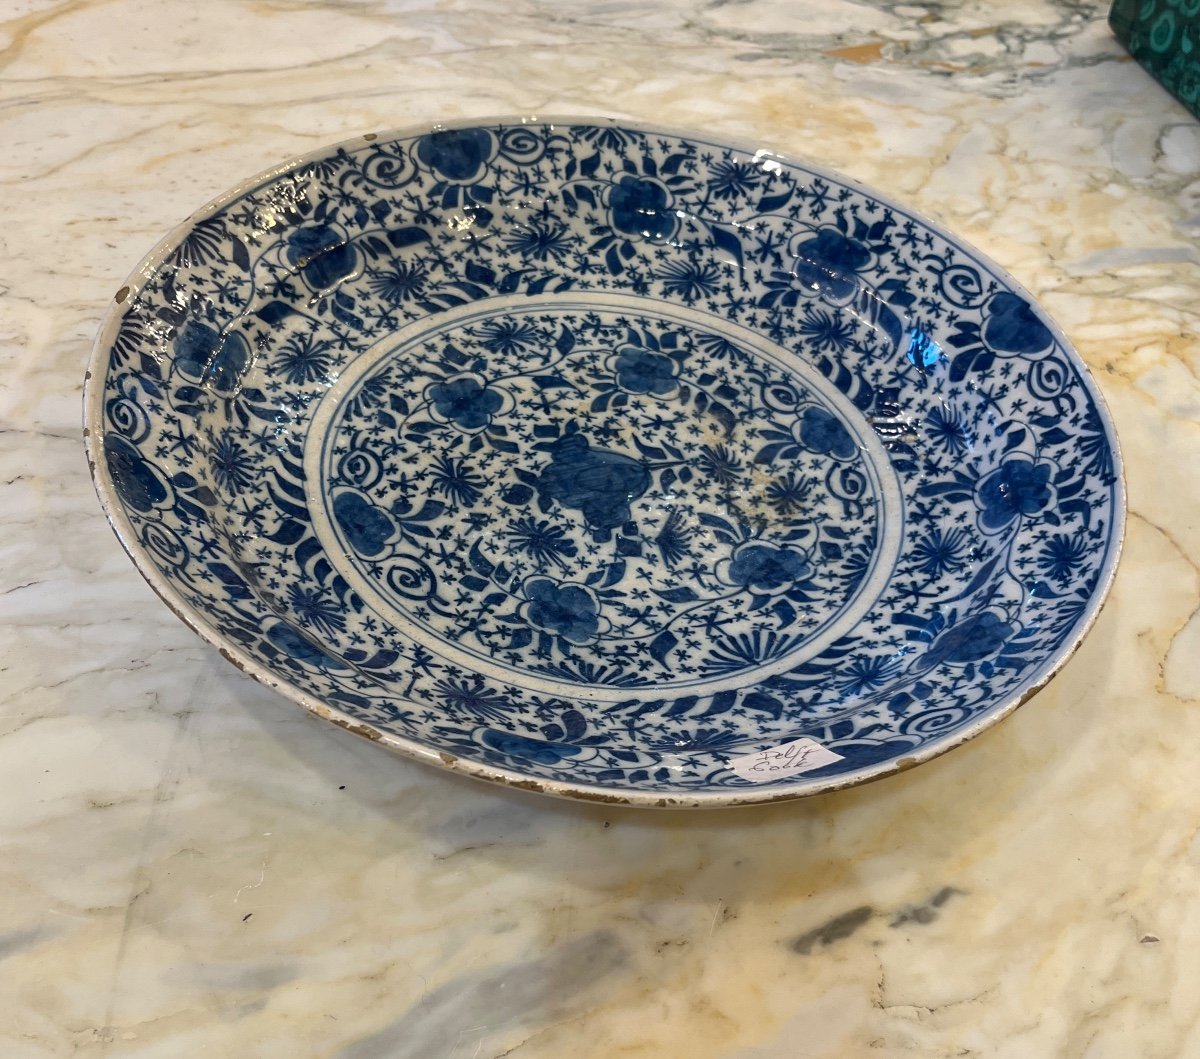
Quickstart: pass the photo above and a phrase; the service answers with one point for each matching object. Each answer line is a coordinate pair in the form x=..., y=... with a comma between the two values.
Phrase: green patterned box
x=1164, y=36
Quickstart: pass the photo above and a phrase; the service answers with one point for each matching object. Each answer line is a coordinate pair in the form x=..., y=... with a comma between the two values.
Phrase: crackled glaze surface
x=194, y=866
x=602, y=455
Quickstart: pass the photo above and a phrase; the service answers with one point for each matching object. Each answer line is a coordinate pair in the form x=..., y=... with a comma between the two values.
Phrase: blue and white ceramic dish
x=594, y=459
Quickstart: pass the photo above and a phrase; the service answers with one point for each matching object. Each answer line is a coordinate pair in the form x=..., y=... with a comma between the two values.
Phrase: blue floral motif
x=194, y=345
x=460, y=156
x=399, y=284
x=540, y=751
x=642, y=371
x=506, y=337
x=201, y=353
x=733, y=180
x=766, y=568
x=947, y=428
x=1012, y=328
x=231, y=464
x=1018, y=487
x=641, y=206
x=367, y=527
x=829, y=263
x=137, y=482
x=473, y=697
x=323, y=254
x=973, y=639
x=598, y=483
x=562, y=609
x=688, y=280
x=1061, y=556
x=467, y=401
x=303, y=358
x=545, y=543
x=940, y=551
x=820, y=431
x=645, y=476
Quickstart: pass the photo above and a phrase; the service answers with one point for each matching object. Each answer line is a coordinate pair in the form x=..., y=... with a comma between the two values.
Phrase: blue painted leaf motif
x=289, y=532
x=771, y=203
x=728, y=241
x=274, y=312
x=875, y=311
x=723, y=529
x=235, y=584
x=764, y=703
x=299, y=647
x=240, y=254
x=662, y=645
x=410, y=236
x=138, y=483
x=539, y=751
x=677, y=595
x=478, y=273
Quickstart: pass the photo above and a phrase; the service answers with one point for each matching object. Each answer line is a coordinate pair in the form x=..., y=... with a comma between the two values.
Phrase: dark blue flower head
x=466, y=401
x=367, y=528
x=973, y=639
x=323, y=253
x=641, y=206
x=204, y=354
x=829, y=263
x=599, y=483
x=1012, y=328
x=822, y=432
x=644, y=371
x=1017, y=487
x=564, y=609
x=458, y=155
x=764, y=568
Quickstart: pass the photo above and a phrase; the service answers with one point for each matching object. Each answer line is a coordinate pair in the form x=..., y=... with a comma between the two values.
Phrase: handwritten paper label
x=787, y=759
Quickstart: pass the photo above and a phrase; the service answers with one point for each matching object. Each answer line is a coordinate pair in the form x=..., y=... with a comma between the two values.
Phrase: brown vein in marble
x=24, y=26
x=1171, y=635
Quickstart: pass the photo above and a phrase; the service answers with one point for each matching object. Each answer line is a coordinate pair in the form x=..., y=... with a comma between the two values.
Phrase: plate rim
x=93, y=395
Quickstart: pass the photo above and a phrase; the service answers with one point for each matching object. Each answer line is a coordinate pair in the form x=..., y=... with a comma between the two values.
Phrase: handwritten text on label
x=787, y=759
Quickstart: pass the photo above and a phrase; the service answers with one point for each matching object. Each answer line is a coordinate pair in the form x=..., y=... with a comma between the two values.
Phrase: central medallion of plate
x=593, y=493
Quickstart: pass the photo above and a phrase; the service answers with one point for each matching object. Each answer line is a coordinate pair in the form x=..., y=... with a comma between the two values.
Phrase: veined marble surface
x=191, y=865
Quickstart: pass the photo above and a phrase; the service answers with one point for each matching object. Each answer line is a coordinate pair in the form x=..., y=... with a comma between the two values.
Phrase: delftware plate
x=606, y=461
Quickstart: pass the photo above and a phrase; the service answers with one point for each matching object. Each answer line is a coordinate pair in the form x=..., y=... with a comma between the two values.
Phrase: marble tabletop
x=192, y=865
